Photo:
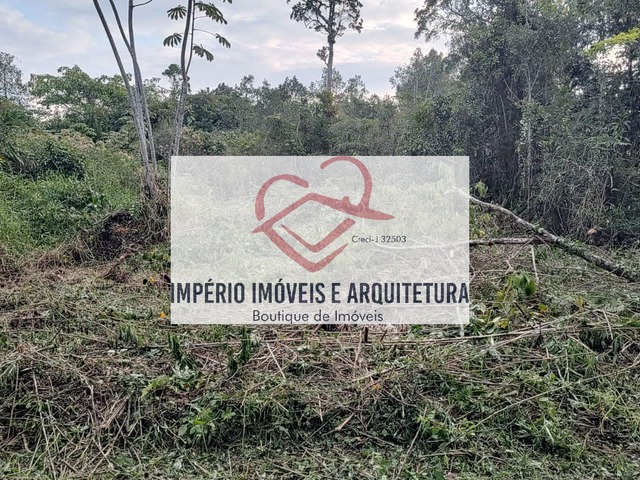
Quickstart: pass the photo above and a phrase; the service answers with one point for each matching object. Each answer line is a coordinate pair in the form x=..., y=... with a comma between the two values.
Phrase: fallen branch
x=562, y=243
x=474, y=242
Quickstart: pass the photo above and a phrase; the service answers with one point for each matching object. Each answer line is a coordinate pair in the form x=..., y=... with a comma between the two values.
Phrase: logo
x=344, y=205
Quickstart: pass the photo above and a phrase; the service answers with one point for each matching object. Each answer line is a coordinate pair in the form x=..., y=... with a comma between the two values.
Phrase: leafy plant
x=201, y=427
x=435, y=426
x=184, y=360
x=242, y=358
x=511, y=302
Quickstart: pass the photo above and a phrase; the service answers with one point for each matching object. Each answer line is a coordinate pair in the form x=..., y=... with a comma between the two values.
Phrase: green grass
x=96, y=383
x=44, y=212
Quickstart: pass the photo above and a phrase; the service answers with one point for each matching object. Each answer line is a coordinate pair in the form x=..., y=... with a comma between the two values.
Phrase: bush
x=70, y=186
x=116, y=175
x=47, y=211
x=15, y=232
x=12, y=118
x=39, y=154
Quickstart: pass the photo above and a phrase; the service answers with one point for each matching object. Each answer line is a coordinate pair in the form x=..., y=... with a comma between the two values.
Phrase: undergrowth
x=51, y=203
x=96, y=383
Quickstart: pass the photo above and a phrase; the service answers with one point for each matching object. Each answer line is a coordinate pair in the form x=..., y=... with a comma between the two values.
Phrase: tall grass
x=44, y=210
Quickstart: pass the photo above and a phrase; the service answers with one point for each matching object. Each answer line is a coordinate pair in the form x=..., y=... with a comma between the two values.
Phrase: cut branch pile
x=540, y=235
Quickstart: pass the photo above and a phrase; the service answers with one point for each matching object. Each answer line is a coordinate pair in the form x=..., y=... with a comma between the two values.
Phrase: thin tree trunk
x=331, y=39
x=330, y=67
x=134, y=101
x=179, y=119
x=140, y=88
x=187, y=39
x=529, y=165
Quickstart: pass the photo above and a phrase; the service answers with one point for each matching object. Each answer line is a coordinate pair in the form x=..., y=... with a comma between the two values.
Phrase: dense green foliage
x=93, y=106
x=550, y=126
x=52, y=186
x=542, y=96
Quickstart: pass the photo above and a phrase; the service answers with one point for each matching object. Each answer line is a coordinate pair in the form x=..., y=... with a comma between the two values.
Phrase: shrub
x=52, y=208
x=40, y=154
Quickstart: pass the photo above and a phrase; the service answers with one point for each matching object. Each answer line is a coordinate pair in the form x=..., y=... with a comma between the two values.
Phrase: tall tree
x=424, y=77
x=616, y=26
x=331, y=17
x=551, y=130
x=188, y=48
x=11, y=87
x=135, y=89
x=74, y=98
x=513, y=55
x=173, y=74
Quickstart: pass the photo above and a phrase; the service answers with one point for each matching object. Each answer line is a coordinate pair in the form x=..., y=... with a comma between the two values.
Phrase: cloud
x=265, y=41
x=36, y=43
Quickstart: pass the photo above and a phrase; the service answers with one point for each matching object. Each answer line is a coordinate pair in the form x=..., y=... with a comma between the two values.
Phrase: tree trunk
x=179, y=119
x=142, y=140
x=563, y=243
x=134, y=100
x=331, y=40
x=144, y=109
x=528, y=171
x=187, y=39
x=330, y=66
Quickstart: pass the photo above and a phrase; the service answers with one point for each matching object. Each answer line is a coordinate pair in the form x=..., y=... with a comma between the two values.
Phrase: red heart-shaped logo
x=361, y=210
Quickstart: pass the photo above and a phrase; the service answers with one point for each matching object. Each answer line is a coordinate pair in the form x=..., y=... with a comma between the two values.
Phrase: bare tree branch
x=562, y=243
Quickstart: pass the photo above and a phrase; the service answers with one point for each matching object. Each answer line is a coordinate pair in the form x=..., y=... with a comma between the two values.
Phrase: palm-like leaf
x=202, y=52
x=223, y=41
x=176, y=13
x=172, y=40
x=211, y=11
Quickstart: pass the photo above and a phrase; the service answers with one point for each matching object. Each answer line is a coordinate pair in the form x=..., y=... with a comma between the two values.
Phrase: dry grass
x=96, y=383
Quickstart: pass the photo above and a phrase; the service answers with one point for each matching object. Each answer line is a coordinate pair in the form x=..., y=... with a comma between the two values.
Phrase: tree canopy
x=332, y=18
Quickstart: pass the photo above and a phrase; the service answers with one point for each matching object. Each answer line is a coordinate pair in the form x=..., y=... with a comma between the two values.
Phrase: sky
x=44, y=35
